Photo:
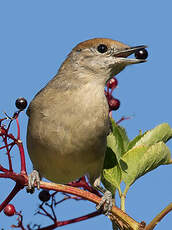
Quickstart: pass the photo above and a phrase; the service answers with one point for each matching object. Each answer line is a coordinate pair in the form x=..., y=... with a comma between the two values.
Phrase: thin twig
x=8, y=152
x=51, y=206
x=122, y=119
x=12, y=143
x=20, y=222
x=159, y=217
x=21, y=149
x=3, y=169
x=62, y=223
x=22, y=157
x=18, y=128
x=12, y=194
x=45, y=213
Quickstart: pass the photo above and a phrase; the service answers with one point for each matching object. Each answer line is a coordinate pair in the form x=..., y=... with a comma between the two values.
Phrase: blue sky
x=35, y=38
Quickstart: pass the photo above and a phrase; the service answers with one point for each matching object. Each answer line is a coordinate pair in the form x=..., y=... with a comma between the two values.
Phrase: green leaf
x=117, y=140
x=142, y=159
x=124, y=138
x=111, y=175
x=117, y=143
x=134, y=141
x=158, y=154
x=162, y=132
x=130, y=163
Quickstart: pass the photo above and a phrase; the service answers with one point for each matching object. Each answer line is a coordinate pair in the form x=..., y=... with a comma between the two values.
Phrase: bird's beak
x=124, y=53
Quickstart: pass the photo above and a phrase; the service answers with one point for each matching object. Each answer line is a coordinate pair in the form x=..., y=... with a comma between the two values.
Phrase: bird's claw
x=33, y=179
x=106, y=203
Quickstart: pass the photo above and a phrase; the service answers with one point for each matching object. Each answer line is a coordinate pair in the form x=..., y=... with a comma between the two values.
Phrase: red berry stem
x=12, y=194
x=3, y=169
x=45, y=213
x=82, y=183
x=5, y=135
x=9, y=173
x=67, y=197
x=8, y=152
x=18, y=128
x=22, y=157
x=20, y=222
x=74, y=220
x=12, y=143
x=78, y=219
x=122, y=119
x=21, y=149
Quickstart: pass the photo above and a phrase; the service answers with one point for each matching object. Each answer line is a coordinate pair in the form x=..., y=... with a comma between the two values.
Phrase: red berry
x=44, y=195
x=141, y=54
x=114, y=104
x=9, y=210
x=112, y=83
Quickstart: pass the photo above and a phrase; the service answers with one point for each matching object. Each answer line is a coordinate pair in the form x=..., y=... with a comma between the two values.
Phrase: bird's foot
x=33, y=179
x=106, y=203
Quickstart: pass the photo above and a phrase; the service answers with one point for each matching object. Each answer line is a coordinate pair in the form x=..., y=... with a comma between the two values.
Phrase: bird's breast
x=69, y=134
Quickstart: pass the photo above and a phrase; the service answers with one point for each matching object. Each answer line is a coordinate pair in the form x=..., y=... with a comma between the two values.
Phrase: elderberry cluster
x=114, y=103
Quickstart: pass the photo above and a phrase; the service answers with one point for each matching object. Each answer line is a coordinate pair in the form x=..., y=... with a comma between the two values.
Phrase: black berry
x=102, y=48
x=44, y=195
x=21, y=103
x=114, y=104
x=9, y=210
x=141, y=54
x=112, y=83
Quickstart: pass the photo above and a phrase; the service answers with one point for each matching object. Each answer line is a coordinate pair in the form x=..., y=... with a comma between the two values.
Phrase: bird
x=69, y=119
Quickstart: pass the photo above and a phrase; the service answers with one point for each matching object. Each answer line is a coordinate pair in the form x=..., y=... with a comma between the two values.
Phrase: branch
x=127, y=220
x=22, y=180
x=159, y=217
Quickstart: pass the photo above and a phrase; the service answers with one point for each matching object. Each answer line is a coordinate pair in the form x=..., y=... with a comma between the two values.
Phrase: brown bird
x=68, y=119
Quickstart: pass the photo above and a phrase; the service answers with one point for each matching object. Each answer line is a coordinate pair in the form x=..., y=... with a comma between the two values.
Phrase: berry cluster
x=114, y=103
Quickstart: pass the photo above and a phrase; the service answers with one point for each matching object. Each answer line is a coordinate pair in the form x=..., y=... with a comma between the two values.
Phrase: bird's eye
x=102, y=48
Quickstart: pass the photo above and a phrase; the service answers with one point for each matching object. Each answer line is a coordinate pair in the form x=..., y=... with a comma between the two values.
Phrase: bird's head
x=102, y=57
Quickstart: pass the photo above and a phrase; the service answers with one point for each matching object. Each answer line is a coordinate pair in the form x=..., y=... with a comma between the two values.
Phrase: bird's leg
x=33, y=178
x=106, y=202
